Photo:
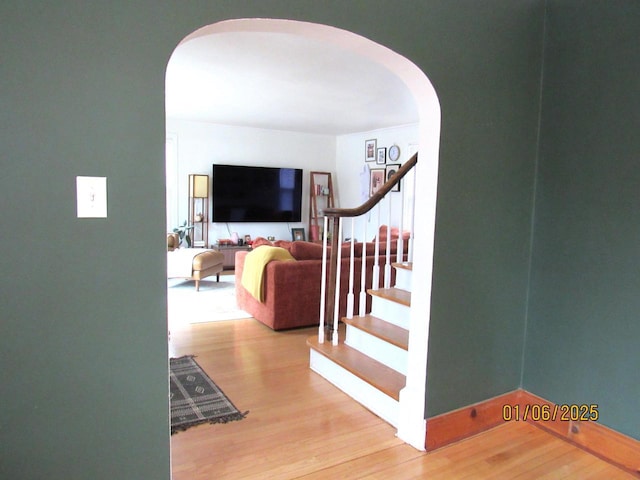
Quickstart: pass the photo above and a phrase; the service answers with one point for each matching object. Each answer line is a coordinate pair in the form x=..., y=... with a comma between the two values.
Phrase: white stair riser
x=371, y=398
x=403, y=279
x=384, y=352
x=391, y=312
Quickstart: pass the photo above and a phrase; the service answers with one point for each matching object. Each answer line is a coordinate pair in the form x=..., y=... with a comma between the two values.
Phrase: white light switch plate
x=92, y=197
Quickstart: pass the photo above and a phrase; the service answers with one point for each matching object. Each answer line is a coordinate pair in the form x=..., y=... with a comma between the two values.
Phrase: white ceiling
x=283, y=81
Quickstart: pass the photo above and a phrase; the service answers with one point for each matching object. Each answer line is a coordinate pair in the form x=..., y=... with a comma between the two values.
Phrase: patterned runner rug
x=195, y=399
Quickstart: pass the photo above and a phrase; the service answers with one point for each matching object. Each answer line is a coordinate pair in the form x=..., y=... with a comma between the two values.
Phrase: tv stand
x=229, y=253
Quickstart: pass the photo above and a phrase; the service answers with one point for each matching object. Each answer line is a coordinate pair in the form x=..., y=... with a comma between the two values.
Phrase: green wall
x=583, y=325
x=83, y=329
x=83, y=302
x=488, y=82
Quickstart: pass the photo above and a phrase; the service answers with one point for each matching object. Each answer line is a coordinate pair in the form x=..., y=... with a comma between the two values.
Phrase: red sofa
x=292, y=289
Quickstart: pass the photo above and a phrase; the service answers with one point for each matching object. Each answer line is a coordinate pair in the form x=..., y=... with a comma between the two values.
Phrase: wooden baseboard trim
x=614, y=447
x=608, y=444
x=467, y=421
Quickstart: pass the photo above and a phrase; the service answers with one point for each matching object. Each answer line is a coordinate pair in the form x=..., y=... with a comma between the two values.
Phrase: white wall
x=350, y=161
x=202, y=144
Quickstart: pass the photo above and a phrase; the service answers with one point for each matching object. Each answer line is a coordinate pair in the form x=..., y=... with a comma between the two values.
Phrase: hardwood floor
x=300, y=426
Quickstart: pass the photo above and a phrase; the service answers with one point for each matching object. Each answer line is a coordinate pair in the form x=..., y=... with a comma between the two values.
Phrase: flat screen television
x=256, y=194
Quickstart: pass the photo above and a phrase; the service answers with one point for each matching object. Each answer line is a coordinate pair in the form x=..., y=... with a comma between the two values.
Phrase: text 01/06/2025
x=550, y=412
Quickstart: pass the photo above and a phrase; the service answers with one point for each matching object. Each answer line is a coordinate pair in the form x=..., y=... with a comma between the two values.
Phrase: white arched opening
x=412, y=425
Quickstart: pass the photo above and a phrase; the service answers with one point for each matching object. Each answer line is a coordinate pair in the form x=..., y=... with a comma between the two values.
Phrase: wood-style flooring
x=300, y=426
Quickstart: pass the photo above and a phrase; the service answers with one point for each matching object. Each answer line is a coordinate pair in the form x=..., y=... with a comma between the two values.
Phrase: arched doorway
x=412, y=427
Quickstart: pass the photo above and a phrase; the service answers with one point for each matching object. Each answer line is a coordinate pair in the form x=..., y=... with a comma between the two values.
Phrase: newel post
x=331, y=279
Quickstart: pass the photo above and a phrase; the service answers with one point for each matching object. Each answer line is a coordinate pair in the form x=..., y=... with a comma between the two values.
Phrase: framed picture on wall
x=390, y=171
x=297, y=234
x=376, y=180
x=381, y=156
x=370, y=150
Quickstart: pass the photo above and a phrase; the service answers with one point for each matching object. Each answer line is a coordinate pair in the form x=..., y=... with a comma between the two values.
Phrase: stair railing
x=333, y=234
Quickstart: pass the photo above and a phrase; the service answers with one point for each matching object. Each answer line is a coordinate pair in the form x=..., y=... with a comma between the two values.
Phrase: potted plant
x=183, y=232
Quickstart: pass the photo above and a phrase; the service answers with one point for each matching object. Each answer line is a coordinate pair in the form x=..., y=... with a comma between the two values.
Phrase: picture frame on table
x=370, y=150
x=389, y=171
x=376, y=180
x=381, y=156
x=297, y=234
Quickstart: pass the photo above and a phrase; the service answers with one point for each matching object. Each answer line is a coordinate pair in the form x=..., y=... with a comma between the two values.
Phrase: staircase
x=370, y=364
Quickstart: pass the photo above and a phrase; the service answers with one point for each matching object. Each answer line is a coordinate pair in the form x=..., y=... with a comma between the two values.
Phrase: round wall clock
x=394, y=153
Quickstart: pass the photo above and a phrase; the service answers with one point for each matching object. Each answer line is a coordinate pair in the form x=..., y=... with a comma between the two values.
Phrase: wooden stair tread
x=381, y=329
x=385, y=379
x=393, y=294
x=403, y=265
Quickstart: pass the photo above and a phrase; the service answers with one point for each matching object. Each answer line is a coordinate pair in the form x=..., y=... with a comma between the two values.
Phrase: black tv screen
x=256, y=194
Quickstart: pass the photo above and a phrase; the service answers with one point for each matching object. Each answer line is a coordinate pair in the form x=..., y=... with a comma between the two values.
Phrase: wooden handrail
x=335, y=214
x=376, y=197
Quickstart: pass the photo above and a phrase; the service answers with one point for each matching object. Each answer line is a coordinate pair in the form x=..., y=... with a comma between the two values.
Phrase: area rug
x=214, y=302
x=195, y=399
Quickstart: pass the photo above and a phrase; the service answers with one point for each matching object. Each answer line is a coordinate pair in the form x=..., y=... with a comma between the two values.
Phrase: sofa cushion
x=286, y=244
x=394, y=233
x=306, y=250
x=301, y=250
x=313, y=251
x=260, y=241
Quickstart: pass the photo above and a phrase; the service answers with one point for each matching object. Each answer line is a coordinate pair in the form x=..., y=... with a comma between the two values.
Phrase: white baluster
x=350, y=295
x=362, y=302
x=400, y=243
x=376, y=261
x=387, y=265
x=336, y=310
x=323, y=285
x=413, y=213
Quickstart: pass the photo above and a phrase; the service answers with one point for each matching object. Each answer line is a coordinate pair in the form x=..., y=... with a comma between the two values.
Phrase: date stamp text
x=550, y=412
